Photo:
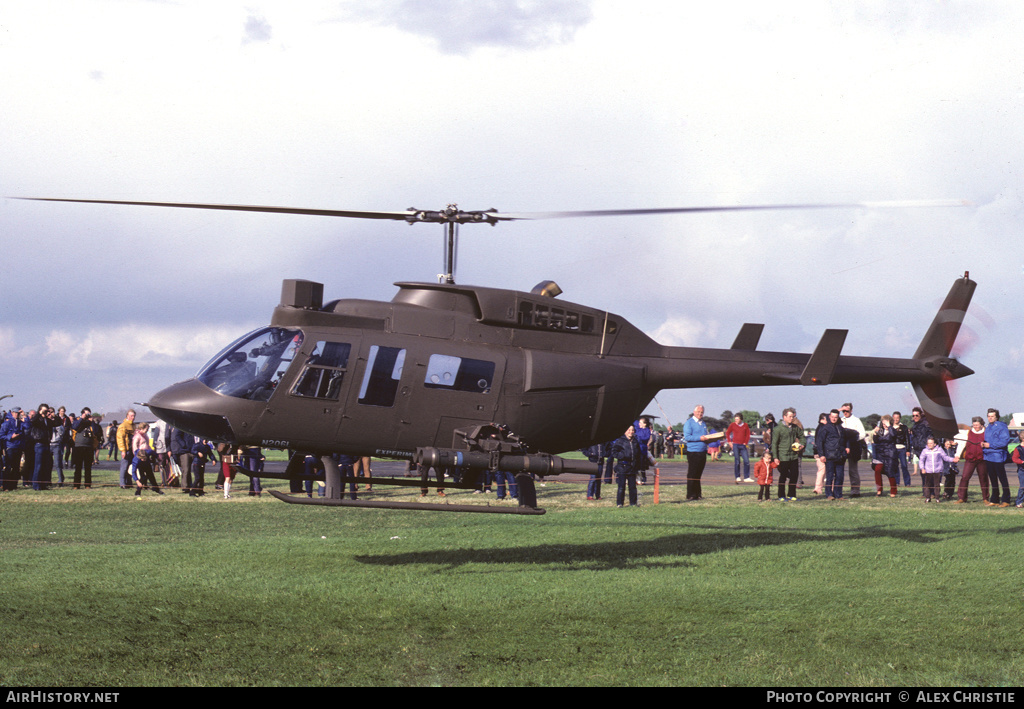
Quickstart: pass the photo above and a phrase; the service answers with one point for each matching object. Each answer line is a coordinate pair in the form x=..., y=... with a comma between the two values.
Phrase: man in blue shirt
x=997, y=440
x=695, y=433
x=15, y=434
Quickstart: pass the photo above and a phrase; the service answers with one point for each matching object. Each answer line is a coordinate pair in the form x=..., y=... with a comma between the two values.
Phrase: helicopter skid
x=383, y=504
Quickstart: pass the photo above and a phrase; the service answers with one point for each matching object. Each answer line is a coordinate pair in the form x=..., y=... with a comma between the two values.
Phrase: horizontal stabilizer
x=748, y=337
x=822, y=364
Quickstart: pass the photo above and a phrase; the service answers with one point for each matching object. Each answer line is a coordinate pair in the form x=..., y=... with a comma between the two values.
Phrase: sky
x=523, y=106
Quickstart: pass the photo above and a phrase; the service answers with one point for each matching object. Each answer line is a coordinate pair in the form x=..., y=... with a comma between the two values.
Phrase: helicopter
x=477, y=379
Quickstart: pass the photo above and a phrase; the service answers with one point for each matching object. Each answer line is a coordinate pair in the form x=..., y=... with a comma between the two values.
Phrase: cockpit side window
x=324, y=372
x=253, y=366
x=383, y=372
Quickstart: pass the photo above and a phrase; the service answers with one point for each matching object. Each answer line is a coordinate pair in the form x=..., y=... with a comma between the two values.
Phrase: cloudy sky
x=521, y=105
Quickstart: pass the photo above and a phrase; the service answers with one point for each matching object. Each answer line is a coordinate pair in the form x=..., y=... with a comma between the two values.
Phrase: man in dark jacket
x=626, y=451
x=181, y=451
x=919, y=434
x=88, y=435
x=41, y=424
x=902, y=444
x=831, y=443
x=595, y=454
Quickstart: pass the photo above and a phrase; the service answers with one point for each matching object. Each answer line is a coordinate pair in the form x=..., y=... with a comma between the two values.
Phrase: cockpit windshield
x=252, y=367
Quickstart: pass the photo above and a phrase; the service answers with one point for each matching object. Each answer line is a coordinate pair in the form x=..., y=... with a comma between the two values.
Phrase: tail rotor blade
x=937, y=406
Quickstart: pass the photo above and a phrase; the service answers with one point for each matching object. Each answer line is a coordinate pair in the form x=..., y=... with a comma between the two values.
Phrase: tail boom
x=929, y=370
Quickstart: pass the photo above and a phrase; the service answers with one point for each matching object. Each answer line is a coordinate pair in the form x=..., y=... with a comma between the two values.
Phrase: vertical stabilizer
x=934, y=355
x=939, y=339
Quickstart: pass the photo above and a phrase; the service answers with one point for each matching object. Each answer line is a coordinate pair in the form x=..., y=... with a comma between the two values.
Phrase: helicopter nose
x=192, y=407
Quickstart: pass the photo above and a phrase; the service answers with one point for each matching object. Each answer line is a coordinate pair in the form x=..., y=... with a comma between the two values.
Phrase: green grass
x=101, y=589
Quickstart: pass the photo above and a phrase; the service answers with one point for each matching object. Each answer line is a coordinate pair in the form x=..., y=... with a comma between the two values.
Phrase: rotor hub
x=452, y=215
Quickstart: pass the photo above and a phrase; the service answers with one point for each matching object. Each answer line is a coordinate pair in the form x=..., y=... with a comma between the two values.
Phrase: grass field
x=101, y=589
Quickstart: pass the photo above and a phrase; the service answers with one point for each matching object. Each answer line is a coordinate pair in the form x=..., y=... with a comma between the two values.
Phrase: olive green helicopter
x=476, y=379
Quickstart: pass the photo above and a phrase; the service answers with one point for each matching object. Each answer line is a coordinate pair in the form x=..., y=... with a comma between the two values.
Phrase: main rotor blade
x=454, y=215
x=402, y=216
x=511, y=216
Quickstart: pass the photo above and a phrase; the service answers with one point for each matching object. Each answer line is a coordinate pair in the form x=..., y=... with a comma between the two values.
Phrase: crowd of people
x=839, y=445
x=42, y=442
x=39, y=445
x=36, y=443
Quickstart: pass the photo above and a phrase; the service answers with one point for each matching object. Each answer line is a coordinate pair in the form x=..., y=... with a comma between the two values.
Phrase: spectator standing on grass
x=763, y=474
x=202, y=453
x=251, y=458
x=997, y=440
x=142, y=461
x=87, y=434
x=14, y=432
x=952, y=473
x=98, y=419
x=856, y=446
x=738, y=435
x=819, y=459
x=903, y=447
x=181, y=452
x=769, y=428
x=974, y=459
x=714, y=446
x=158, y=438
x=626, y=450
x=595, y=454
x=40, y=426
x=883, y=456
x=695, y=434
x=57, y=436
x=919, y=434
x=361, y=467
x=831, y=443
x=609, y=464
x=505, y=479
x=1018, y=458
x=787, y=443
x=228, y=457
x=112, y=439
x=933, y=461
x=69, y=440
x=642, y=427
x=125, y=433
x=65, y=425
x=346, y=466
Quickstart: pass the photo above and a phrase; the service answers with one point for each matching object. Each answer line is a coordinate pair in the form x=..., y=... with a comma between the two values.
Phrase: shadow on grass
x=670, y=551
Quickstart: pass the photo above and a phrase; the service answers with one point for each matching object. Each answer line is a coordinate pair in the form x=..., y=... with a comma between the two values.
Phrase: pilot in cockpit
x=235, y=373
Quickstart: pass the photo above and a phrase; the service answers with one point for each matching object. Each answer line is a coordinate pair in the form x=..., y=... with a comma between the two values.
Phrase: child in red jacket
x=763, y=475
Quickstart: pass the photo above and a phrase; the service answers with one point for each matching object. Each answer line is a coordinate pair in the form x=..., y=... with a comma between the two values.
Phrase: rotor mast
x=451, y=216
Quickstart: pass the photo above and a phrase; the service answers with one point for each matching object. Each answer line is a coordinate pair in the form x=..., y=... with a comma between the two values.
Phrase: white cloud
x=460, y=26
x=257, y=29
x=137, y=346
x=684, y=331
x=11, y=348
